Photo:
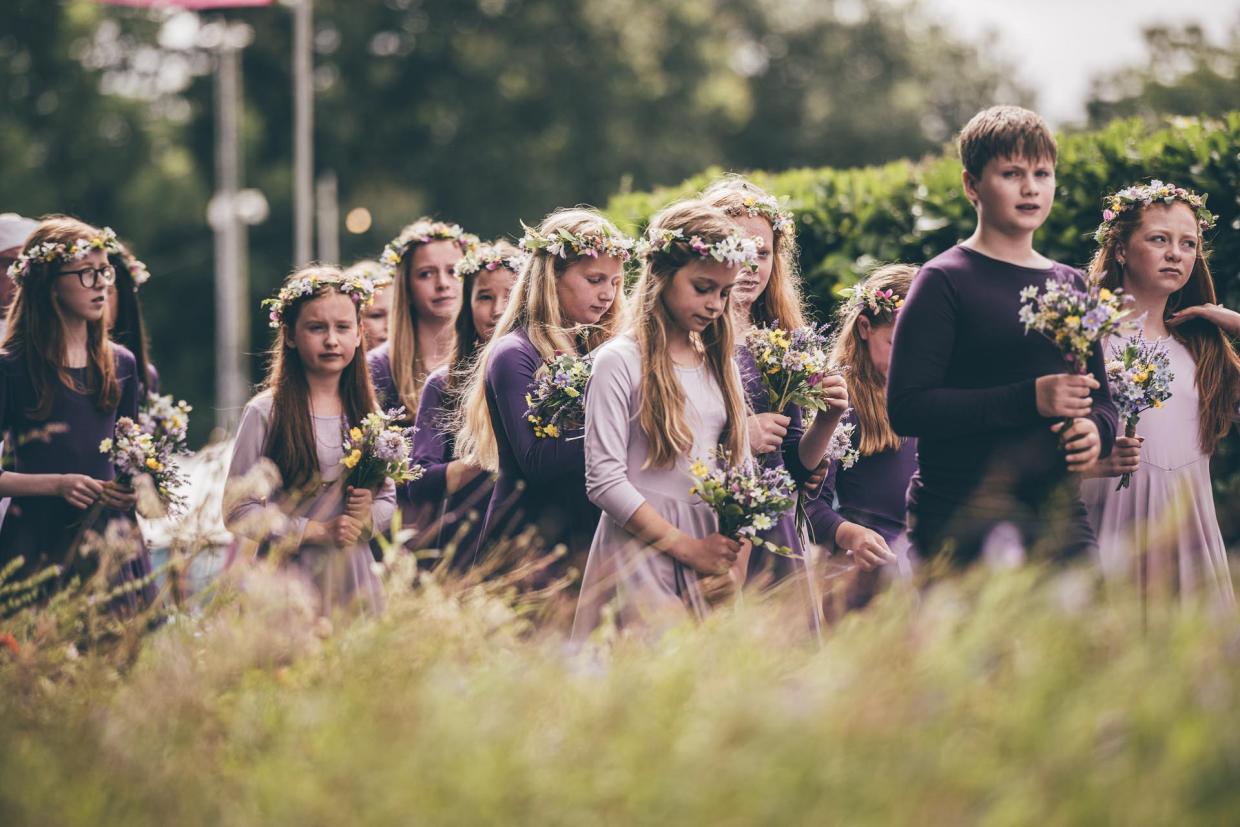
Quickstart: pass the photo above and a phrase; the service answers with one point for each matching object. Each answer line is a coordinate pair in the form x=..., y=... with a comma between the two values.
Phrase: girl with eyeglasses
x=63, y=385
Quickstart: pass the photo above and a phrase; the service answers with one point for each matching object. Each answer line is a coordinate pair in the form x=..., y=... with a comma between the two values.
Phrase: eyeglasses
x=92, y=277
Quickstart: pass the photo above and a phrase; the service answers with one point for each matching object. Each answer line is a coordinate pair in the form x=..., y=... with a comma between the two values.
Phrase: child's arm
x=510, y=374
x=917, y=401
x=608, y=403
x=817, y=439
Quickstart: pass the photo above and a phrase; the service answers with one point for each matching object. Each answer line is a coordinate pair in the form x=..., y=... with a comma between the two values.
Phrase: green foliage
x=849, y=220
x=1016, y=698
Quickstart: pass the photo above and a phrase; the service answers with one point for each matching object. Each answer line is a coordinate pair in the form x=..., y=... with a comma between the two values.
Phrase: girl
x=62, y=387
x=426, y=297
x=567, y=299
x=870, y=517
x=458, y=488
x=317, y=387
x=375, y=316
x=664, y=395
x=771, y=296
x=125, y=324
x=1161, y=532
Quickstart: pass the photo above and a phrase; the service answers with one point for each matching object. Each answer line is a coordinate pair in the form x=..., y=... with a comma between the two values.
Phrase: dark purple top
x=433, y=445
x=789, y=456
x=871, y=493
x=380, y=365
x=152, y=380
x=962, y=381
x=541, y=481
x=42, y=529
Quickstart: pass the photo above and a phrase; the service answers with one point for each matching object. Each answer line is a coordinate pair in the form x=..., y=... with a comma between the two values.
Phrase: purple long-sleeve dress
x=43, y=529
x=338, y=577
x=789, y=456
x=541, y=482
x=379, y=362
x=417, y=502
x=962, y=380
x=458, y=516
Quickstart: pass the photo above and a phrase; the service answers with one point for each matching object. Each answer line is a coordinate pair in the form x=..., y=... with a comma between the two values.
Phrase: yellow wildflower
x=699, y=469
x=352, y=459
x=551, y=431
x=154, y=464
x=355, y=434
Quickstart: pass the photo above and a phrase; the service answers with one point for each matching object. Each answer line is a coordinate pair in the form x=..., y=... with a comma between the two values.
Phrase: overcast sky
x=1058, y=45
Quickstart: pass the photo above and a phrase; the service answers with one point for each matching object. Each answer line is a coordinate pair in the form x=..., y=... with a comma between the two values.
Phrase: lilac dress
x=1161, y=533
x=541, y=482
x=788, y=456
x=647, y=589
x=43, y=529
x=457, y=519
x=338, y=577
x=962, y=380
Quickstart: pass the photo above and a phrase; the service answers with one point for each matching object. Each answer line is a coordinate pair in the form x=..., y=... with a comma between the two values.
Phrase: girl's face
x=698, y=294
x=489, y=299
x=1160, y=254
x=588, y=287
x=434, y=291
x=327, y=334
x=375, y=318
x=750, y=286
x=877, y=338
x=1013, y=195
x=77, y=300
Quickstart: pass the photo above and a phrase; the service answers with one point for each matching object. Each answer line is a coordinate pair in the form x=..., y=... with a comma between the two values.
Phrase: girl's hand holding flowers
x=767, y=432
x=1081, y=443
x=866, y=546
x=79, y=490
x=1065, y=395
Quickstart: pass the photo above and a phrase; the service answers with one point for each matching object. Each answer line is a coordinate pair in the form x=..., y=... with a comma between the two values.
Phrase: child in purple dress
x=317, y=388
x=566, y=300
x=986, y=401
x=425, y=301
x=664, y=395
x=63, y=385
x=1161, y=532
x=460, y=490
x=868, y=523
x=771, y=296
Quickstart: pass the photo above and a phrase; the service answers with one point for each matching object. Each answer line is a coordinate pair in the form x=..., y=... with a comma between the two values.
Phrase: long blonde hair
x=408, y=372
x=662, y=399
x=1217, y=371
x=781, y=302
x=866, y=386
x=535, y=308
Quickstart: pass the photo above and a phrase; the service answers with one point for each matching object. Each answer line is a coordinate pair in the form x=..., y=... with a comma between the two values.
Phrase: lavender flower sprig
x=1139, y=375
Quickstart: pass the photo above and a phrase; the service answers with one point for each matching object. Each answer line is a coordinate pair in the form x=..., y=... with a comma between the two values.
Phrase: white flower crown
x=734, y=249
x=357, y=287
x=486, y=257
x=768, y=207
x=50, y=251
x=562, y=242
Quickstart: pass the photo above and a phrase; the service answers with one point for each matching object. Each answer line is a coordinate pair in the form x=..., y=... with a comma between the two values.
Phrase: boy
x=984, y=399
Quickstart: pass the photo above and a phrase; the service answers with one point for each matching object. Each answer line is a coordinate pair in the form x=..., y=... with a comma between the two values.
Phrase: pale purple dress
x=646, y=589
x=339, y=577
x=1161, y=532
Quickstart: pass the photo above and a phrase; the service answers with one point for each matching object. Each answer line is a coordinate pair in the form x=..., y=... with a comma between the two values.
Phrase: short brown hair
x=1005, y=132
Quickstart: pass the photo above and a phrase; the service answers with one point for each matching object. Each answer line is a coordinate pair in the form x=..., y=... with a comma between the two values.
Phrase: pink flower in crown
x=1108, y=215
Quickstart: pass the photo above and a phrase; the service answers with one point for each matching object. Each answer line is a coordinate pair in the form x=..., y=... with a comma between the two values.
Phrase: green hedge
x=850, y=219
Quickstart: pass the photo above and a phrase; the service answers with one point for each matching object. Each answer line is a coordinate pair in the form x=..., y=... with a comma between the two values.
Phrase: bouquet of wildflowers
x=792, y=364
x=378, y=449
x=841, y=449
x=556, y=401
x=748, y=498
x=134, y=452
x=1139, y=373
x=1074, y=319
x=166, y=421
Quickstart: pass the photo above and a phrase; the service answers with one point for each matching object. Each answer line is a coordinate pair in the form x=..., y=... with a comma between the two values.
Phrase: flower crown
x=357, y=287
x=1142, y=195
x=424, y=233
x=486, y=257
x=876, y=299
x=51, y=251
x=593, y=244
x=766, y=206
x=733, y=249
x=379, y=275
x=137, y=270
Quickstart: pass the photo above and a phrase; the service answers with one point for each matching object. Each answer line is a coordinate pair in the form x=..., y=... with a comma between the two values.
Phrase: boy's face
x=1013, y=194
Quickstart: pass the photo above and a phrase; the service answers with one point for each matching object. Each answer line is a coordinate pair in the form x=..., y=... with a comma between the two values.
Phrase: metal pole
x=303, y=136
x=231, y=312
x=329, y=218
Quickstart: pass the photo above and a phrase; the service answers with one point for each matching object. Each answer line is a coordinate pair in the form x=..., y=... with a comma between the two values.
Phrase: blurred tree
x=481, y=111
x=1186, y=73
